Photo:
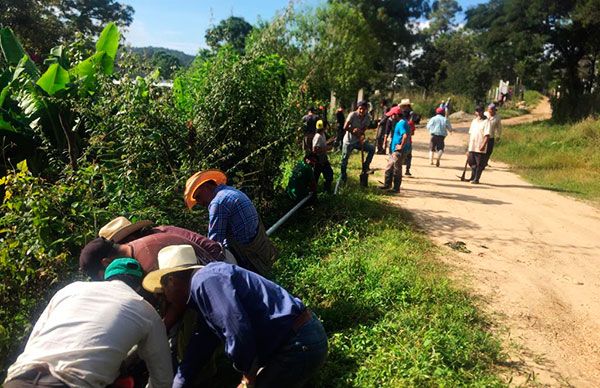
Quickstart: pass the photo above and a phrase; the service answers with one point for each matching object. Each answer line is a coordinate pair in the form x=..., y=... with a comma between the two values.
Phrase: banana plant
x=34, y=107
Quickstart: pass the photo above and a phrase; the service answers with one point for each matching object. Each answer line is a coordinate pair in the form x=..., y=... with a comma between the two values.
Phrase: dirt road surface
x=534, y=257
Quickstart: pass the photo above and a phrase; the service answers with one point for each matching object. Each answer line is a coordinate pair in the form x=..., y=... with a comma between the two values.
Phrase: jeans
x=297, y=360
x=393, y=170
x=347, y=150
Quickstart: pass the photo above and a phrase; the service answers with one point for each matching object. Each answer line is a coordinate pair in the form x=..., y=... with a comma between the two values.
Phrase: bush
x=243, y=116
x=571, y=108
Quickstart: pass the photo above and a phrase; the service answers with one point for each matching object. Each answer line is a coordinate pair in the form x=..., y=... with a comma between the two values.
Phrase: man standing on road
x=495, y=131
x=478, y=142
x=390, y=124
x=438, y=127
x=232, y=219
x=355, y=127
x=87, y=330
x=270, y=336
x=406, y=106
x=400, y=147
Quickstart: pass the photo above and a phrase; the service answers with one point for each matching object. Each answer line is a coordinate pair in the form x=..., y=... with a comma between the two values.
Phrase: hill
x=148, y=52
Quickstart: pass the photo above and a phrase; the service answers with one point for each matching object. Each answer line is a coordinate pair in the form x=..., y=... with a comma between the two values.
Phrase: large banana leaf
x=13, y=52
x=54, y=79
x=108, y=43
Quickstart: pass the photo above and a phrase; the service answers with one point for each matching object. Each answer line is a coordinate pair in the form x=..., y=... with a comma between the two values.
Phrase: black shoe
x=475, y=182
x=383, y=187
x=437, y=163
x=408, y=173
x=394, y=190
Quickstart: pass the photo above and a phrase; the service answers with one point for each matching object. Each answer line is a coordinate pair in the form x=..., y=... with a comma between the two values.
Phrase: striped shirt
x=231, y=213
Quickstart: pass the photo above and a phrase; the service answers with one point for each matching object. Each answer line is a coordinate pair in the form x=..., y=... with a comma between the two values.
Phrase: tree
x=392, y=25
x=166, y=63
x=442, y=17
x=42, y=24
x=525, y=35
x=232, y=30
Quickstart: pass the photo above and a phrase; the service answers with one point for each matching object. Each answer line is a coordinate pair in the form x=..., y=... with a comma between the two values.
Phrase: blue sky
x=181, y=24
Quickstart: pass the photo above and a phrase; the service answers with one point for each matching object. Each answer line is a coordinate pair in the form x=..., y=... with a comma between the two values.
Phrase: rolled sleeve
x=154, y=350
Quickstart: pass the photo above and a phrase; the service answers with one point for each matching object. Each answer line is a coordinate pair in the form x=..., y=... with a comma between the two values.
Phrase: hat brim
x=151, y=282
x=129, y=229
x=215, y=175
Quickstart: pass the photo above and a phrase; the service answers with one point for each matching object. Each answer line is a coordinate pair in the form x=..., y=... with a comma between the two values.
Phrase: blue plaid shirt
x=231, y=213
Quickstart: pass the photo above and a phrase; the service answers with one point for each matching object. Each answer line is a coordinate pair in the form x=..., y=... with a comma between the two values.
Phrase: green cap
x=123, y=266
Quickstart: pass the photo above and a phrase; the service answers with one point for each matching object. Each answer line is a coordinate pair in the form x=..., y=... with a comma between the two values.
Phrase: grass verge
x=392, y=316
x=559, y=157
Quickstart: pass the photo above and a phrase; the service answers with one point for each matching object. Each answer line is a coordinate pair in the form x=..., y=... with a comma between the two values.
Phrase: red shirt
x=145, y=249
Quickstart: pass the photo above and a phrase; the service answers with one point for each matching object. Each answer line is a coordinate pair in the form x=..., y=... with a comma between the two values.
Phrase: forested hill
x=149, y=51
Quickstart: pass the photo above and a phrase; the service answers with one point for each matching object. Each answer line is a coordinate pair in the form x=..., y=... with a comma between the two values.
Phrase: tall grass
x=392, y=316
x=560, y=157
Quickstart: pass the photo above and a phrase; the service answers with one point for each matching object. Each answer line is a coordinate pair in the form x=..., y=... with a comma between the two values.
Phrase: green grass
x=392, y=316
x=560, y=157
x=531, y=98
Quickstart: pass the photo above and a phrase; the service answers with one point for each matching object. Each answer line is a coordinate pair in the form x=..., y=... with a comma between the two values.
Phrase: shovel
x=364, y=175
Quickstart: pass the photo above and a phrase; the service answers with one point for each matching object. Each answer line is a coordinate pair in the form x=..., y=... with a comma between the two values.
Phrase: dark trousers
x=476, y=162
x=393, y=170
x=408, y=161
x=488, y=153
x=339, y=137
x=327, y=171
x=380, y=138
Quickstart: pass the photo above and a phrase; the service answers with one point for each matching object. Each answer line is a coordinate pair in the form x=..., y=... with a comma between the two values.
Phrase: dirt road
x=534, y=260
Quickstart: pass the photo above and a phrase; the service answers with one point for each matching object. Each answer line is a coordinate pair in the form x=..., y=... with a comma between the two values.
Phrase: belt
x=40, y=375
x=301, y=320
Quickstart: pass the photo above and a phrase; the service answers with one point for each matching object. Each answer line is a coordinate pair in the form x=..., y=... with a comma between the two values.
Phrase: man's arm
x=154, y=350
x=218, y=215
x=198, y=351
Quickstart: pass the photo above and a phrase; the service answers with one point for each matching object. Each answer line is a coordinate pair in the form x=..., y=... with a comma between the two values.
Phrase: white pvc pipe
x=288, y=214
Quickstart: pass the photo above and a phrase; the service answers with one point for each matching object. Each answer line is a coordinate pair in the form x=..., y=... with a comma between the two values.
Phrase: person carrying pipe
x=87, y=330
x=232, y=220
x=322, y=165
x=271, y=337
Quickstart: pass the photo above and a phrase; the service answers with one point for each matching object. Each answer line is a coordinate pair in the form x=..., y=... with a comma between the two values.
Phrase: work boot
x=407, y=173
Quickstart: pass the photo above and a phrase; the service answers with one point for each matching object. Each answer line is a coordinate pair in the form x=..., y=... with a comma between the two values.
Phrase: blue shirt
x=400, y=130
x=231, y=213
x=438, y=125
x=251, y=314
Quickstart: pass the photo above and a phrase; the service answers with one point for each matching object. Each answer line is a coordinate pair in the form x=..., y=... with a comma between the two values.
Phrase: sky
x=181, y=24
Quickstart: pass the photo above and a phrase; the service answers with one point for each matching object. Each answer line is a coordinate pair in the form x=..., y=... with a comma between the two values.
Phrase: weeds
x=559, y=157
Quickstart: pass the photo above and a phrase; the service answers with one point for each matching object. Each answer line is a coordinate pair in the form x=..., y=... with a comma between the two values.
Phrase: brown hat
x=197, y=180
x=121, y=227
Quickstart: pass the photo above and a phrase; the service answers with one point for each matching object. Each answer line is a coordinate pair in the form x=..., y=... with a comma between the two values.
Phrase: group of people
x=396, y=128
x=155, y=284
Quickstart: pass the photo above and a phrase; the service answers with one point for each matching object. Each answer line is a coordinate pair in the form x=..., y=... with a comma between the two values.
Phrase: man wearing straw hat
x=270, y=336
x=232, y=220
x=86, y=331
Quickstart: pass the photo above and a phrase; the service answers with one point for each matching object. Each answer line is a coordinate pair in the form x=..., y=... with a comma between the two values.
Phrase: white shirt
x=87, y=329
x=479, y=128
x=495, y=126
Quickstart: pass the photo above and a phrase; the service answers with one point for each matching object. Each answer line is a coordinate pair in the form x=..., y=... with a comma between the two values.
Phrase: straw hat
x=405, y=101
x=174, y=258
x=197, y=180
x=121, y=227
